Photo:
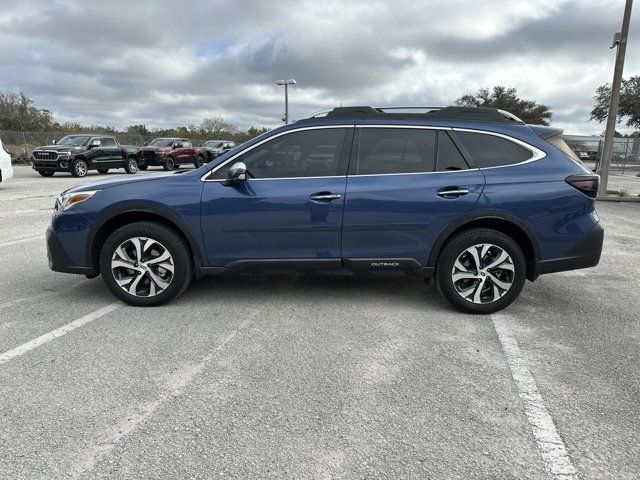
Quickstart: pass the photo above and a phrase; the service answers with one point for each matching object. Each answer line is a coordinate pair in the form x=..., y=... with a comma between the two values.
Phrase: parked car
x=6, y=170
x=170, y=153
x=471, y=197
x=80, y=153
x=214, y=148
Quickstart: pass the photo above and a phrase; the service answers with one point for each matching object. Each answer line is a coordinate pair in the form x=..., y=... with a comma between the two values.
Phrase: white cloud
x=162, y=64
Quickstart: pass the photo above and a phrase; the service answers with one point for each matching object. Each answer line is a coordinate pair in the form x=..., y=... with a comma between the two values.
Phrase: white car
x=6, y=170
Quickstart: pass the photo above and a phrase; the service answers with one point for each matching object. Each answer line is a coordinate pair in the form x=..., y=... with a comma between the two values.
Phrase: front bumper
x=61, y=164
x=59, y=259
x=586, y=253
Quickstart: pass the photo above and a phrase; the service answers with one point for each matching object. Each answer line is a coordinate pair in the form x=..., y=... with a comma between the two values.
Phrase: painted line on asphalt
x=57, y=333
x=551, y=447
x=22, y=240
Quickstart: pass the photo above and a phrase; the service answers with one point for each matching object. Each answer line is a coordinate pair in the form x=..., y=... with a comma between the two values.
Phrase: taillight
x=587, y=184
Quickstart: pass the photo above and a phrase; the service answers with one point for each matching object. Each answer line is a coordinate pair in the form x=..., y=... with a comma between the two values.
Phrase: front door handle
x=324, y=196
x=452, y=192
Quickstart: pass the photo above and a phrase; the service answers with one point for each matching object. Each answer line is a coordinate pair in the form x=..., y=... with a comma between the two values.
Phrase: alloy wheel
x=81, y=168
x=483, y=273
x=142, y=267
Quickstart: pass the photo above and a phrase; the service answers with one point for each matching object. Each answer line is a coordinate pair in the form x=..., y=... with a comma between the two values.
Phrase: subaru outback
x=472, y=198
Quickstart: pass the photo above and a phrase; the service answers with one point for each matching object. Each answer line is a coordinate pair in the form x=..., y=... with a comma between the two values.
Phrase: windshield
x=161, y=142
x=213, y=144
x=74, y=140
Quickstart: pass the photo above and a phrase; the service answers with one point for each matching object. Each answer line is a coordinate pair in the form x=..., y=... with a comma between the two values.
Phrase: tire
x=143, y=167
x=79, y=168
x=198, y=162
x=131, y=166
x=141, y=289
x=169, y=164
x=103, y=170
x=491, y=247
x=46, y=173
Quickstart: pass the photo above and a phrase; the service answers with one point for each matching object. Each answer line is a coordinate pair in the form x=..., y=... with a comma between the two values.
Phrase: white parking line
x=57, y=333
x=21, y=240
x=550, y=445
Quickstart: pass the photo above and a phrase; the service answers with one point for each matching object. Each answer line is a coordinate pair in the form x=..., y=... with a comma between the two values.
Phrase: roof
x=474, y=114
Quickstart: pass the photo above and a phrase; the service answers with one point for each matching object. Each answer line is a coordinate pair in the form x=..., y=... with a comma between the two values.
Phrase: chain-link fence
x=625, y=159
x=21, y=144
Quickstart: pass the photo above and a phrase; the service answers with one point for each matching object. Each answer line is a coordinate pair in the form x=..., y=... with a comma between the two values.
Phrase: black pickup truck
x=80, y=153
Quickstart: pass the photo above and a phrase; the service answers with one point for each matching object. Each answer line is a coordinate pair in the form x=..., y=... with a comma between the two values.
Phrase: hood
x=59, y=148
x=121, y=180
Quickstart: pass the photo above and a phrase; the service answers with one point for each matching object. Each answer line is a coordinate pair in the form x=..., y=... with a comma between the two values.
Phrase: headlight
x=64, y=154
x=68, y=200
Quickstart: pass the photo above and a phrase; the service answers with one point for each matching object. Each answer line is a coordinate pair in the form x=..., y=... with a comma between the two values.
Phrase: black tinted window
x=449, y=157
x=394, y=150
x=491, y=151
x=108, y=142
x=309, y=153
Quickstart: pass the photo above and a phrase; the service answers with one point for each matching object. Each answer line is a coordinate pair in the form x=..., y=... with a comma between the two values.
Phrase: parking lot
x=314, y=376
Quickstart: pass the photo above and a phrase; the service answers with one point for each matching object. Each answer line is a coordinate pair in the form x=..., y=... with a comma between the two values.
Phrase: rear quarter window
x=492, y=151
x=558, y=142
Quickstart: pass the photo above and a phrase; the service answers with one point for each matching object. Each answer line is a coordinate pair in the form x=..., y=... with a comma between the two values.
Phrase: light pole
x=286, y=84
x=620, y=40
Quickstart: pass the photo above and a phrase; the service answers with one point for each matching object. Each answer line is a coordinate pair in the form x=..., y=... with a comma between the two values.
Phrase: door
x=110, y=153
x=290, y=207
x=405, y=185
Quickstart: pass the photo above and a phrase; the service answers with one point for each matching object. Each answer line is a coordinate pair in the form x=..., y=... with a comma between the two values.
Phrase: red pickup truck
x=169, y=153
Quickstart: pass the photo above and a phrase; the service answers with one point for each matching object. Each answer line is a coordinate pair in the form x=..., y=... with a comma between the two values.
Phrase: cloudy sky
x=168, y=63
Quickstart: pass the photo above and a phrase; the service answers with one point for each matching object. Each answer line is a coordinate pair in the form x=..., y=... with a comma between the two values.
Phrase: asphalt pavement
x=314, y=377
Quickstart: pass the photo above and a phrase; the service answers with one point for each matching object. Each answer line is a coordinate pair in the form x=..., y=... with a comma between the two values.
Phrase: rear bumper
x=59, y=259
x=585, y=254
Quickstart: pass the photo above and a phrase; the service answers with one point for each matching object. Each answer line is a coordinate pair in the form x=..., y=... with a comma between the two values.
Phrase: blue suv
x=472, y=198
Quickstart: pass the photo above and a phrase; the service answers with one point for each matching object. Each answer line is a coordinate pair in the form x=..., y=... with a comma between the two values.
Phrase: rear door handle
x=324, y=196
x=452, y=192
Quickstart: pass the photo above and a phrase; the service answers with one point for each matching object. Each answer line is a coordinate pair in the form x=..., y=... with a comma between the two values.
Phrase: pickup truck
x=80, y=153
x=170, y=153
x=212, y=149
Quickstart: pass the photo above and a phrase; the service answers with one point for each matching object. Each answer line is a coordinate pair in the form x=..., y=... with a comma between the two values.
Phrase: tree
x=506, y=99
x=17, y=112
x=629, y=105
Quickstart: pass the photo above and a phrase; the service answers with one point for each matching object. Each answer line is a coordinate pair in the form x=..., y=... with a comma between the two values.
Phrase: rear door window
x=492, y=151
x=382, y=151
x=108, y=142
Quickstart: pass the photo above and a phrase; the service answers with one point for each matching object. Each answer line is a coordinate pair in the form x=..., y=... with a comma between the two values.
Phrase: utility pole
x=286, y=84
x=619, y=40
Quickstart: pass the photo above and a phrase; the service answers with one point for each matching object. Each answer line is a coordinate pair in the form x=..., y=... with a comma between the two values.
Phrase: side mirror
x=54, y=141
x=226, y=147
x=237, y=173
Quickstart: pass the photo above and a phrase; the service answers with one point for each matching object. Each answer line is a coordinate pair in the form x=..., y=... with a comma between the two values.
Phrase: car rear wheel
x=103, y=170
x=46, y=173
x=79, y=168
x=146, y=264
x=481, y=271
x=131, y=166
x=169, y=164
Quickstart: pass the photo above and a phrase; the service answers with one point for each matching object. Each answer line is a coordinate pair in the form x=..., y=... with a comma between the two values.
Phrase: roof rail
x=479, y=114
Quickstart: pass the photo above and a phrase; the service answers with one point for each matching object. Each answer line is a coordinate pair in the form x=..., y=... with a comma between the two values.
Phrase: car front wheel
x=481, y=271
x=169, y=164
x=79, y=168
x=146, y=264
